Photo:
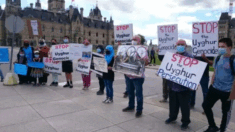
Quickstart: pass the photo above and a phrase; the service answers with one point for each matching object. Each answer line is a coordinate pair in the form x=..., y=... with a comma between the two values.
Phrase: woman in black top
x=21, y=59
x=109, y=77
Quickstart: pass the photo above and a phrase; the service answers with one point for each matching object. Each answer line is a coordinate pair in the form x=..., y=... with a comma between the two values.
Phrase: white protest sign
x=205, y=38
x=182, y=70
x=34, y=25
x=100, y=64
x=85, y=63
x=52, y=66
x=167, y=38
x=61, y=52
x=123, y=33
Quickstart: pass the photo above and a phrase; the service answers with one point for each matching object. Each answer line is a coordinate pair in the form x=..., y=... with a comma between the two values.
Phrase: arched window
x=97, y=41
x=90, y=33
x=61, y=30
x=52, y=29
x=103, y=35
x=43, y=27
x=96, y=34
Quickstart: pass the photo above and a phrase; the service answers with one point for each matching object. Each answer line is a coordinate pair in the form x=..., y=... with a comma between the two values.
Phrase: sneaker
x=66, y=85
x=34, y=84
x=56, y=84
x=2, y=79
x=192, y=107
x=212, y=129
x=100, y=93
x=105, y=100
x=109, y=101
x=184, y=127
x=128, y=109
x=71, y=86
x=84, y=88
x=138, y=114
x=163, y=101
x=168, y=121
x=52, y=84
x=125, y=95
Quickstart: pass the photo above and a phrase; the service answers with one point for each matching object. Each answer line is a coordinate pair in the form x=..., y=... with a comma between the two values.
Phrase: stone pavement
x=24, y=108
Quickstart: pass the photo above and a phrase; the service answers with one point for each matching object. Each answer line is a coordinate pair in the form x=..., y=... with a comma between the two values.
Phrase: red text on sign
x=123, y=27
x=167, y=29
x=62, y=46
x=204, y=27
x=187, y=61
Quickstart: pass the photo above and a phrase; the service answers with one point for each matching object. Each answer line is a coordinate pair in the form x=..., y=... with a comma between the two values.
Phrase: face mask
x=21, y=54
x=26, y=44
x=222, y=51
x=107, y=52
x=134, y=42
x=53, y=43
x=41, y=43
x=98, y=50
x=36, y=56
x=180, y=49
x=66, y=40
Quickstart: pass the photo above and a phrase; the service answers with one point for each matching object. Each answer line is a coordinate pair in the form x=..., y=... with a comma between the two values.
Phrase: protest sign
x=20, y=69
x=97, y=55
x=4, y=55
x=167, y=38
x=85, y=63
x=61, y=52
x=182, y=70
x=205, y=38
x=52, y=66
x=34, y=25
x=100, y=64
x=39, y=65
x=129, y=60
x=123, y=33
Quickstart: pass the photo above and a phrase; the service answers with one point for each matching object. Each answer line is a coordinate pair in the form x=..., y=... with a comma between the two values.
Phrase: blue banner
x=39, y=65
x=4, y=55
x=20, y=69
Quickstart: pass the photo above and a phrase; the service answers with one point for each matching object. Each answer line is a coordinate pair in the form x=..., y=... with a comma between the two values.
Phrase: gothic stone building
x=57, y=22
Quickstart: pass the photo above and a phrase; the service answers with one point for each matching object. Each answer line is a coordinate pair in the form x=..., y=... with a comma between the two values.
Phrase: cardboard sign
x=52, y=66
x=182, y=70
x=85, y=63
x=129, y=60
x=167, y=38
x=4, y=55
x=20, y=69
x=39, y=65
x=61, y=52
x=123, y=33
x=100, y=64
x=205, y=38
x=97, y=55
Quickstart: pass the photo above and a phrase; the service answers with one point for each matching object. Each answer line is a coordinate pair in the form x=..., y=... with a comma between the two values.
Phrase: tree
x=143, y=40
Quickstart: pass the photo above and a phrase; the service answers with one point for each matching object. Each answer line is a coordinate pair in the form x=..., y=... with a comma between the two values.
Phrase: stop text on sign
x=187, y=61
x=123, y=27
x=167, y=29
x=204, y=27
x=61, y=46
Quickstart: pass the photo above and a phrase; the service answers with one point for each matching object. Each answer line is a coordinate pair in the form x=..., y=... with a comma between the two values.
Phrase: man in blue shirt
x=222, y=83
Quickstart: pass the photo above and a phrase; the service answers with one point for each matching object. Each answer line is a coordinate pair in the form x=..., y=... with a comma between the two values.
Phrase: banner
x=4, y=55
x=205, y=38
x=85, y=63
x=182, y=70
x=34, y=25
x=61, y=52
x=128, y=60
x=167, y=38
x=39, y=65
x=52, y=66
x=20, y=69
x=123, y=33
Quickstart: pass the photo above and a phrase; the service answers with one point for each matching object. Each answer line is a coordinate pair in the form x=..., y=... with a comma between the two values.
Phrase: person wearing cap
x=67, y=68
x=86, y=78
x=54, y=75
x=100, y=50
x=179, y=95
x=135, y=84
x=29, y=54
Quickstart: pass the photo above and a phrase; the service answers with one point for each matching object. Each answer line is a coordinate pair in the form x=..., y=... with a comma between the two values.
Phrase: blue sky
x=148, y=14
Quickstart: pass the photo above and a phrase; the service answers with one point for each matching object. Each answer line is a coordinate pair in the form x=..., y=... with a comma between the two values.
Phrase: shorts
x=67, y=66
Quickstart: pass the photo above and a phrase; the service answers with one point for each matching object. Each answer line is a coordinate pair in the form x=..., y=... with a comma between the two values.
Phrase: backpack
x=231, y=59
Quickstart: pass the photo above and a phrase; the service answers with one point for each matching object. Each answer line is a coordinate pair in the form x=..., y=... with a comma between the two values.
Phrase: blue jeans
x=109, y=88
x=126, y=84
x=135, y=84
x=1, y=74
x=204, y=84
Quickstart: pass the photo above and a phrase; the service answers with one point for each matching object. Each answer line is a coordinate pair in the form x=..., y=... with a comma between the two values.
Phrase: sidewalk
x=24, y=108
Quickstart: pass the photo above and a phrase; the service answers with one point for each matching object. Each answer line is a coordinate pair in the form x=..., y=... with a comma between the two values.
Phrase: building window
x=112, y=36
x=103, y=42
x=103, y=35
x=52, y=29
x=89, y=33
x=112, y=42
x=96, y=34
x=97, y=41
x=89, y=40
x=61, y=30
x=43, y=27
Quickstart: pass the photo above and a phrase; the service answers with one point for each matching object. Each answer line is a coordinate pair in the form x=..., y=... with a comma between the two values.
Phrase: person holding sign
x=29, y=53
x=109, y=77
x=37, y=73
x=54, y=75
x=136, y=83
x=179, y=95
x=100, y=50
x=67, y=67
x=21, y=59
x=222, y=83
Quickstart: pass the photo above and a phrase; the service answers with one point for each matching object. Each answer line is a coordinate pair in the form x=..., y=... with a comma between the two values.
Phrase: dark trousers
x=28, y=77
x=135, y=87
x=101, y=83
x=204, y=84
x=152, y=58
x=126, y=92
x=22, y=79
x=212, y=97
x=180, y=100
x=165, y=89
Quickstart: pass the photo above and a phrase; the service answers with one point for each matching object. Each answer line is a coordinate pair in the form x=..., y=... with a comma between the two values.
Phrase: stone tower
x=56, y=5
x=38, y=4
x=13, y=7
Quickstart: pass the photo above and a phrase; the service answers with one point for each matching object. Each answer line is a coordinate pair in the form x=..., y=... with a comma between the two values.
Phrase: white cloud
x=208, y=14
x=3, y=6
